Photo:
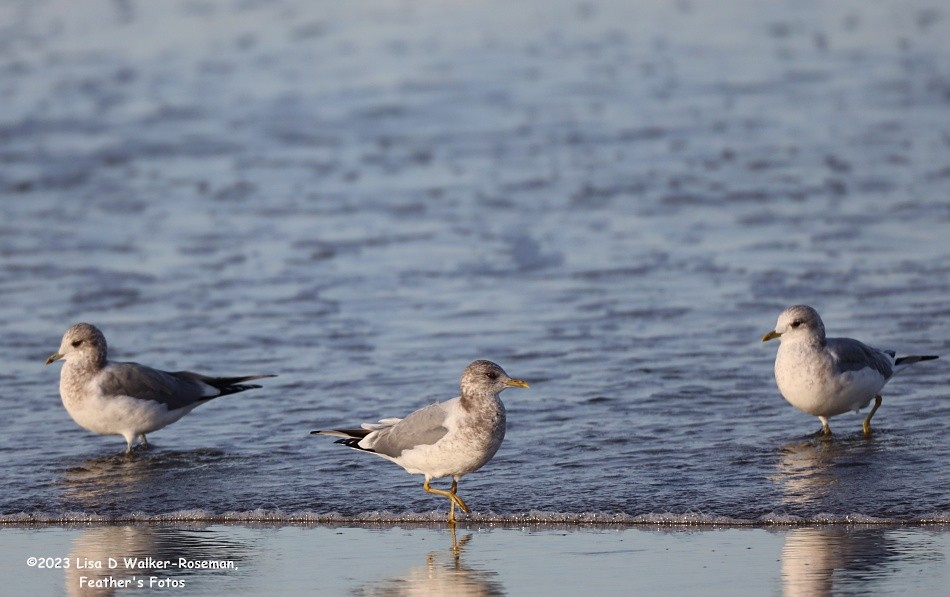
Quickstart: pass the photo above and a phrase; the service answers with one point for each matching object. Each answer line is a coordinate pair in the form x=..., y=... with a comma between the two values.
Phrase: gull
x=825, y=377
x=445, y=439
x=129, y=399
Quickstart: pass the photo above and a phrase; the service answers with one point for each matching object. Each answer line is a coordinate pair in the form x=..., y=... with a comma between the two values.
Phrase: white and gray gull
x=825, y=377
x=445, y=439
x=128, y=399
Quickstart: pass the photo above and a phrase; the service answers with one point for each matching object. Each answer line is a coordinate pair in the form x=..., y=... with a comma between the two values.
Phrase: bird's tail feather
x=230, y=381
x=353, y=442
x=344, y=433
x=227, y=385
x=910, y=360
x=351, y=437
x=901, y=363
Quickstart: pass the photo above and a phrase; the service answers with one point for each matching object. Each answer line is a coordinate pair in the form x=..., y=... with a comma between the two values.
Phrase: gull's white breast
x=807, y=378
x=116, y=414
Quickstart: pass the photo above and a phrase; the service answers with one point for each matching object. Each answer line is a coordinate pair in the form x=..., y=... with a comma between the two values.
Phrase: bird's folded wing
x=852, y=355
x=426, y=426
x=175, y=390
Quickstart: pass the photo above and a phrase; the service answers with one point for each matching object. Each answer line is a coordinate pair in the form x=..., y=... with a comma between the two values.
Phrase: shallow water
x=475, y=560
x=614, y=201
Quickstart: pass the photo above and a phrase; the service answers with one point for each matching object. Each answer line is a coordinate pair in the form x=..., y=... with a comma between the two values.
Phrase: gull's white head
x=797, y=323
x=82, y=342
x=484, y=378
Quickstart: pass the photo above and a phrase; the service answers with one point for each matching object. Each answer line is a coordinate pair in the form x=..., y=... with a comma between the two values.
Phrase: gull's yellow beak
x=53, y=358
x=771, y=336
x=516, y=383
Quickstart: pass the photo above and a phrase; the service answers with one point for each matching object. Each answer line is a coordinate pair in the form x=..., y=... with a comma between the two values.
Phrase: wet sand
x=477, y=560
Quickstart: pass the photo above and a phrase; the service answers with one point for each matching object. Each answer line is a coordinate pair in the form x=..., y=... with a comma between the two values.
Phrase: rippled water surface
x=612, y=200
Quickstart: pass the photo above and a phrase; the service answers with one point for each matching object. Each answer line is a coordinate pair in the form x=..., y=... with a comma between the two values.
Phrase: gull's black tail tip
x=915, y=359
x=351, y=438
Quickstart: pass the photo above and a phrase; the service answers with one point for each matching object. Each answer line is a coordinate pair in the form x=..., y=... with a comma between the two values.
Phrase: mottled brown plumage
x=445, y=439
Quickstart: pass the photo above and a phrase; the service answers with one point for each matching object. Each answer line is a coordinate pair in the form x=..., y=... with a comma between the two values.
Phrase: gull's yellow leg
x=453, y=499
x=867, y=421
x=825, y=429
x=458, y=545
x=455, y=544
x=457, y=498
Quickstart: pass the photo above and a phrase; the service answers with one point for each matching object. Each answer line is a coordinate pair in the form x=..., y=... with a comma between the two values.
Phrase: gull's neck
x=811, y=341
x=471, y=401
x=85, y=366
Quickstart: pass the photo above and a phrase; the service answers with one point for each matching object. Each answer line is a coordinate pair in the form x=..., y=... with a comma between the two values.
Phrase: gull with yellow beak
x=445, y=439
x=129, y=399
x=825, y=377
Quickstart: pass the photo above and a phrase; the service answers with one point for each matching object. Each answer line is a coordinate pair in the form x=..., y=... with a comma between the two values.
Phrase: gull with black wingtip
x=825, y=377
x=128, y=399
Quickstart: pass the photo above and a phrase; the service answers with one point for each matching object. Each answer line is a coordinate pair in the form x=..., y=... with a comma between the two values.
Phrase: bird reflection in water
x=804, y=471
x=819, y=475
x=118, y=483
x=108, y=560
x=444, y=573
x=826, y=560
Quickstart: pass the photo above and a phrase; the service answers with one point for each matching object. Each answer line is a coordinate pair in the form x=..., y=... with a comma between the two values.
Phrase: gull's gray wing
x=850, y=355
x=423, y=427
x=174, y=389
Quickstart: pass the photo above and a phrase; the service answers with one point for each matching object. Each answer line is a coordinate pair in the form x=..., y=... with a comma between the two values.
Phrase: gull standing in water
x=445, y=439
x=825, y=377
x=129, y=399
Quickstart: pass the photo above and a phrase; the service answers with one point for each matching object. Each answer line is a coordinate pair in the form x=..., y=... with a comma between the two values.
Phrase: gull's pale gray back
x=425, y=426
x=174, y=390
x=851, y=355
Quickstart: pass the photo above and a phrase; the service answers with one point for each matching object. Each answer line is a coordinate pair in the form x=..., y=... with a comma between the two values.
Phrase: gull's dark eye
x=492, y=375
x=77, y=343
x=797, y=323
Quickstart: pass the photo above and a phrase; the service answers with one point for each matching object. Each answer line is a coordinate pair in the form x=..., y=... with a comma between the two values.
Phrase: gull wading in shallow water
x=129, y=399
x=445, y=439
x=825, y=377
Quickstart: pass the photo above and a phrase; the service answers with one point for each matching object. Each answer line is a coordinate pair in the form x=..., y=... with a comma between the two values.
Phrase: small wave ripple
x=532, y=518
